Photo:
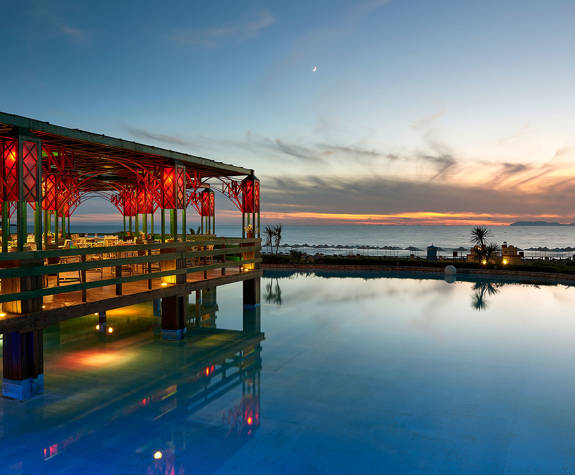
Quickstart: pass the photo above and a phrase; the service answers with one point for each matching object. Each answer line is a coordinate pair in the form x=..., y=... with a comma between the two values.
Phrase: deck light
x=2, y=315
x=110, y=330
x=98, y=327
x=158, y=455
x=164, y=284
x=250, y=420
x=505, y=261
x=484, y=261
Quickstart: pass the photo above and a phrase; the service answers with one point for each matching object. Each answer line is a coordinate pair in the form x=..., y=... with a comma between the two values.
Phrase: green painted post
x=69, y=229
x=5, y=226
x=243, y=225
x=46, y=227
x=145, y=224
x=22, y=225
x=174, y=224
x=56, y=231
x=137, y=225
x=124, y=225
x=38, y=225
x=63, y=227
x=130, y=225
x=184, y=224
x=152, y=224
x=163, y=225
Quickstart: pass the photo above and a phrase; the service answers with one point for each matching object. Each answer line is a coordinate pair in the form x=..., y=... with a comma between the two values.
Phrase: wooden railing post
x=119, y=285
x=149, y=269
x=83, y=278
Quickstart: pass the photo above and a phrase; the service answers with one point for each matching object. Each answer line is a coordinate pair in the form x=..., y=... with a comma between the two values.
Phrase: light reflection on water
x=356, y=373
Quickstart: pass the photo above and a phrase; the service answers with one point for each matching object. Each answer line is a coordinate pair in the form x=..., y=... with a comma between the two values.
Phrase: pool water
x=361, y=373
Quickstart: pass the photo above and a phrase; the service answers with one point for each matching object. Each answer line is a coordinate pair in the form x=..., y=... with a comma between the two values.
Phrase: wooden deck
x=69, y=305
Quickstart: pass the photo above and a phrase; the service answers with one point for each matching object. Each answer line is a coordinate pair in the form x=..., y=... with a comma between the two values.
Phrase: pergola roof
x=95, y=153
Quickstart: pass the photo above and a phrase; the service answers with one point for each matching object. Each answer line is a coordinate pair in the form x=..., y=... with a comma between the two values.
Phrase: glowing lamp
x=251, y=195
x=207, y=200
x=2, y=315
x=250, y=421
x=173, y=187
x=110, y=330
x=98, y=327
x=484, y=261
x=10, y=169
x=164, y=284
x=158, y=455
x=505, y=261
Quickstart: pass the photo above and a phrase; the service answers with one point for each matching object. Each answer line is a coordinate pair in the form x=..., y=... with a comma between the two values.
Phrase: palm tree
x=277, y=236
x=269, y=232
x=481, y=291
x=479, y=235
x=490, y=250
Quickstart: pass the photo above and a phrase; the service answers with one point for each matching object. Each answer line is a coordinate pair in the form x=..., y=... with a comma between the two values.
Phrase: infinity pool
x=360, y=373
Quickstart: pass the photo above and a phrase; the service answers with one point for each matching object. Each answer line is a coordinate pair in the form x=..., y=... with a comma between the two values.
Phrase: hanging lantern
x=49, y=192
x=251, y=195
x=145, y=202
x=30, y=170
x=180, y=187
x=168, y=188
x=207, y=200
x=174, y=188
x=129, y=202
x=10, y=169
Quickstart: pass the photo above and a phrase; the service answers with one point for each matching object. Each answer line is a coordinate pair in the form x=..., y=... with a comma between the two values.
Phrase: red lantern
x=49, y=193
x=30, y=170
x=207, y=200
x=10, y=169
x=173, y=188
x=168, y=188
x=251, y=195
x=145, y=202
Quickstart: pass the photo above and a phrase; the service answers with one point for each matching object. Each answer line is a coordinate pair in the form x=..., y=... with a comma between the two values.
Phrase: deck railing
x=24, y=275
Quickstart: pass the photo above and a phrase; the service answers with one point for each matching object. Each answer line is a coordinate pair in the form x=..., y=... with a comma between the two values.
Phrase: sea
x=382, y=240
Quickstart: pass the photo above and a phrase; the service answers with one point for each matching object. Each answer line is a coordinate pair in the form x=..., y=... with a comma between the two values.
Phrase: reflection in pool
x=364, y=373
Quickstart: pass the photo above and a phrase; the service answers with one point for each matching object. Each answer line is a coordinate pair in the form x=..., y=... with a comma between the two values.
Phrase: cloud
x=146, y=134
x=76, y=35
x=427, y=121
x=376, y=195
x=211, y=36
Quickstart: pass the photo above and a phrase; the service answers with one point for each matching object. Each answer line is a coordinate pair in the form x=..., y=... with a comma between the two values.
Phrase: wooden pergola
x=49, y=171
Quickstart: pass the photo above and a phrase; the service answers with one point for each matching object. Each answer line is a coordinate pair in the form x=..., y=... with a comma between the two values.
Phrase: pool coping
x=551, y=277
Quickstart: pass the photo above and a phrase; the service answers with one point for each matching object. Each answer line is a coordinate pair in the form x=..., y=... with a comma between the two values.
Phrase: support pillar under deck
x=23, y=362
x=252, y=310
x=174, y=317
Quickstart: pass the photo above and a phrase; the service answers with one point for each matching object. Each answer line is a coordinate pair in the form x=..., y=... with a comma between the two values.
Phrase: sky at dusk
x=373, y=111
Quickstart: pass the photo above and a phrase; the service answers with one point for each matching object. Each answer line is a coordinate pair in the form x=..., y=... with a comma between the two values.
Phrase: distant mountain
x=539, y=223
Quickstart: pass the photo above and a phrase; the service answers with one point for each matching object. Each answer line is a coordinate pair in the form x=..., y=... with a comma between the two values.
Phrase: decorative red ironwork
x=180, y=187
x=173, y=187
x=233, y=190
x=207, y=200
x=168, y=188
x=250, y=195
x=49, y=193
x=30, y=170
x=10, y=169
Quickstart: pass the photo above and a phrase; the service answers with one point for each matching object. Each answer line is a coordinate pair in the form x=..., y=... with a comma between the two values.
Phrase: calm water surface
x=355, y=374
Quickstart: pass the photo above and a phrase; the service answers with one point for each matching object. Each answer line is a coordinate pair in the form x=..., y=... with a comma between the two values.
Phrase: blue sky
x=435, y=110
